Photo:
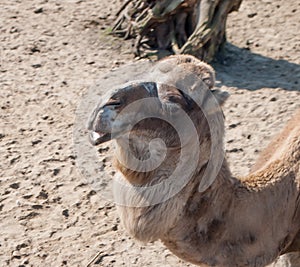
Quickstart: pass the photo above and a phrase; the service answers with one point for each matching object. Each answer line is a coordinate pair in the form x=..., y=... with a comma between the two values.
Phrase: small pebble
x=16, y=255
x=37, y=207
x=36, y=66
x=43, y=195
x=65, y=213
x=14, y=185
x=35, y=142
x=56, y=171
x=38, y=10
x=252, y=15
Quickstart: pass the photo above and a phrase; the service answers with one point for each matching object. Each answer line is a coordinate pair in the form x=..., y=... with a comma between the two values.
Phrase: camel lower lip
x=99, y=138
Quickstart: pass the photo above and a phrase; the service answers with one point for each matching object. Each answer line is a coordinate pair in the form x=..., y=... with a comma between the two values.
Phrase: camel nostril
x=112, y=104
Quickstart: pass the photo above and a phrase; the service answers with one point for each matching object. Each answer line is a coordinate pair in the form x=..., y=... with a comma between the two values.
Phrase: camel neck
x=233, y=219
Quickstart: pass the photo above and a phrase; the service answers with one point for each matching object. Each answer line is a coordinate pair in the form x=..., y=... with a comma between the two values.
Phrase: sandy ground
x=51, y=52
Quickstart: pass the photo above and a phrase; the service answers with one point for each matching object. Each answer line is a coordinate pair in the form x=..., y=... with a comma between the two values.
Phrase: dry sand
x=51, y=52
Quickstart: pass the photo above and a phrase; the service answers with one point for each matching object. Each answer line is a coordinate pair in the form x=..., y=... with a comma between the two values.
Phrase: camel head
x=110, y=120
x=148, y=109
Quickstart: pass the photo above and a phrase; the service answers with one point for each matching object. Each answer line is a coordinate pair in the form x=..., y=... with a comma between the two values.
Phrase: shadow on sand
x=246, y=70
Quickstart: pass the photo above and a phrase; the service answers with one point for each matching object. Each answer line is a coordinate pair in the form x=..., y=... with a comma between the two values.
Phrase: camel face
x=151, y=109
x=107, y=121
x=138, y=108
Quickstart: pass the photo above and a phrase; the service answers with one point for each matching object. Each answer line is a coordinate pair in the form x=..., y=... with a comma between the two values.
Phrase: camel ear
x=207, y=74
x=221, y=96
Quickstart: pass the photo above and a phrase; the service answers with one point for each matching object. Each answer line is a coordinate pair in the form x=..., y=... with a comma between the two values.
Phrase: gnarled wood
x=165, y=27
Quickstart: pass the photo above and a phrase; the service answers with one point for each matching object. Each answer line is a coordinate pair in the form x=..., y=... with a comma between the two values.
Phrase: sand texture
x=51, y=53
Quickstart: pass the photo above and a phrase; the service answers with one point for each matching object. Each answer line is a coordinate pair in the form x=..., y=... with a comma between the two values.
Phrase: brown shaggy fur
x=233, y=223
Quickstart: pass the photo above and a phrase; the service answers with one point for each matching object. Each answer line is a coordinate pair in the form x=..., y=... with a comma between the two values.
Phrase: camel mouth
x=97, y=138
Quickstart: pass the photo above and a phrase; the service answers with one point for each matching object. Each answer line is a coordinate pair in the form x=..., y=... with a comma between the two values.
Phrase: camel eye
x=174, y=98
x=177, y=99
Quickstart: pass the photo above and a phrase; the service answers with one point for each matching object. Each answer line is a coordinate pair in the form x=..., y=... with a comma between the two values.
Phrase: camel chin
x=99, y=138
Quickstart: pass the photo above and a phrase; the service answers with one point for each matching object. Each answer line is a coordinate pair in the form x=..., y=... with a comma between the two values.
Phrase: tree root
x=162, y=27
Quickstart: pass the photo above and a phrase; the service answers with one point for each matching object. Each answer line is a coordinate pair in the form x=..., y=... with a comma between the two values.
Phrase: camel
x=229, y=221
x=287, y=138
